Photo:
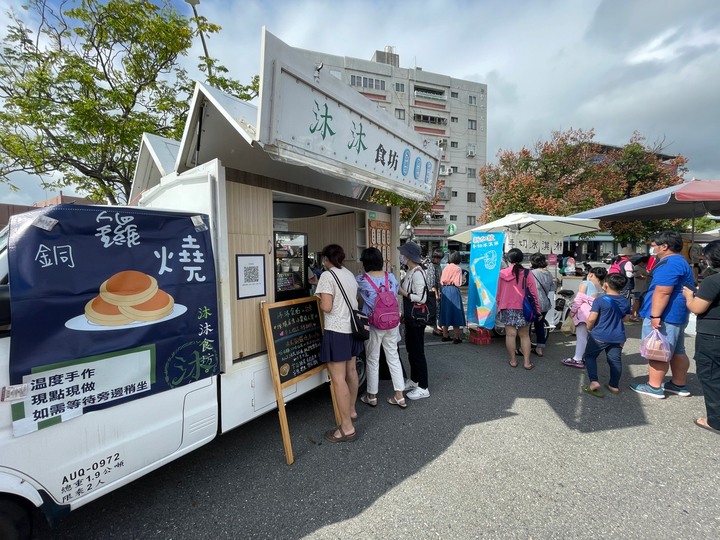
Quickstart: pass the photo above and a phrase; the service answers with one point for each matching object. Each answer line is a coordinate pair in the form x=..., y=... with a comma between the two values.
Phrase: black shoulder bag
x=416, y=313
x=358, y=320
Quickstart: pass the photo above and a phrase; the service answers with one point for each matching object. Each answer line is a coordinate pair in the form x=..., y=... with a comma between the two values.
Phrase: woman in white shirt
x=339, y=348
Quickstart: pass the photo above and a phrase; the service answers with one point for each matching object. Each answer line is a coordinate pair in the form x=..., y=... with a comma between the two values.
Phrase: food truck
x=133, y=335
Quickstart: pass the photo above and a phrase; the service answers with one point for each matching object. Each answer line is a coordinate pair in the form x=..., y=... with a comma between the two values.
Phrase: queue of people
x=600, y=310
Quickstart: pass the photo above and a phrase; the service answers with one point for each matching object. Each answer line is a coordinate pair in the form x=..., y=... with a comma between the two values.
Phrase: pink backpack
x=386, y=313
x=618, y=266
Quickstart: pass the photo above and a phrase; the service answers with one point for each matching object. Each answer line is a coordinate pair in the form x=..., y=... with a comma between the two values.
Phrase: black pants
x=415, y=346
x=540, y=331
x=707, y=363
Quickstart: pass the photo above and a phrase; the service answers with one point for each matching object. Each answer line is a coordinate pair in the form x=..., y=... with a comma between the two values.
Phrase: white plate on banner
x=81, y=323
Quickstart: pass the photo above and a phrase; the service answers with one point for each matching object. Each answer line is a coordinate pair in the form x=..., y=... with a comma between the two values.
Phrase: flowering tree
x=571, y=173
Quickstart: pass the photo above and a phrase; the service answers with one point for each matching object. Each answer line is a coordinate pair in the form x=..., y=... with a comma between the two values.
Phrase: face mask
x=652, y=251
x=403, y=259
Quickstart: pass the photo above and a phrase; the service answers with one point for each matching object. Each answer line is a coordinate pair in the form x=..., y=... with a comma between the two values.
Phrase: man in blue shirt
x=664, y=309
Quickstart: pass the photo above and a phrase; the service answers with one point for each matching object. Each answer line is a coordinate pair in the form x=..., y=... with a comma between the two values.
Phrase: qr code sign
x=251, y=274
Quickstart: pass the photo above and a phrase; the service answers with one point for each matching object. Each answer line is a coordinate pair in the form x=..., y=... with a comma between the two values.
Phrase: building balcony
x=430, y=95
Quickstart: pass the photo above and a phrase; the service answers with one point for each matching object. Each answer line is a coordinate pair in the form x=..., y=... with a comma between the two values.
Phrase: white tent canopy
x=533, y=224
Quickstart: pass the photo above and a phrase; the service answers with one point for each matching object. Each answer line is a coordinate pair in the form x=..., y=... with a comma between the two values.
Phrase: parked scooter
x=560, y=302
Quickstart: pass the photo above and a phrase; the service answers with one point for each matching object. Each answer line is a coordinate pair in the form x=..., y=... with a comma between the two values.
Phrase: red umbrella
x=691, y=199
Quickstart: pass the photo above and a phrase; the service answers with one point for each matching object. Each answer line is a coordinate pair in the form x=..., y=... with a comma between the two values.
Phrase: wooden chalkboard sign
x=293, y=335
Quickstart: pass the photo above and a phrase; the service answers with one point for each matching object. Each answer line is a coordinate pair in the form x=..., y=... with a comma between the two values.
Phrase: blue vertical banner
x=109, y=304
x=486, y=251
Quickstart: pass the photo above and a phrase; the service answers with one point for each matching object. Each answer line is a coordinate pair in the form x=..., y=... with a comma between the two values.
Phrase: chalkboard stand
x=308, y=308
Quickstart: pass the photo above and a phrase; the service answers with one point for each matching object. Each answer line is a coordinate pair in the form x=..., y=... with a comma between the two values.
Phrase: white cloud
x=615, y=66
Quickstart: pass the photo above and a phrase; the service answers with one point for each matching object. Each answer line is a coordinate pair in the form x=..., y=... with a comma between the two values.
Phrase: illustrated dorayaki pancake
x=128, y=288
x=157, y=307
x=98, y=311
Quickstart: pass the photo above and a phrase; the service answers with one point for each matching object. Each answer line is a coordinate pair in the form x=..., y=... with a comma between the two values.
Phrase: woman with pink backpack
x=379, y=290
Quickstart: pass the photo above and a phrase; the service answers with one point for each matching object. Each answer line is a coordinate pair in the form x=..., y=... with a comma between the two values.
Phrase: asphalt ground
x=495, y=452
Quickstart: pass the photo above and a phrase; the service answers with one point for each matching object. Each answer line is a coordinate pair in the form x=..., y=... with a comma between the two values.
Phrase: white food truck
x=130, y=336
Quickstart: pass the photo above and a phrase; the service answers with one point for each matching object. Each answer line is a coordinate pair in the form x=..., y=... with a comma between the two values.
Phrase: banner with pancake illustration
x=109, y=304
x=486, y=252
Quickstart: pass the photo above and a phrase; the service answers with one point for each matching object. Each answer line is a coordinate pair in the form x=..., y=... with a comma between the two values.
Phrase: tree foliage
x=571, y=173
x=81, y=88
x=412, y=212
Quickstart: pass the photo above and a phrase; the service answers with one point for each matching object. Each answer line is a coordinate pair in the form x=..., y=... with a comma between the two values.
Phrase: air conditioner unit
x=449, y=172
x=471, y=152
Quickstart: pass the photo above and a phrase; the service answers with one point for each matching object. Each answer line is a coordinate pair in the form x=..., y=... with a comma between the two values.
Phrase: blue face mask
x=403, y=259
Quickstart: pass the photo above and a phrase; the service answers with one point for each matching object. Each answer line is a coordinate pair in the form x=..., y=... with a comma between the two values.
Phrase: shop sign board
x=309, y=117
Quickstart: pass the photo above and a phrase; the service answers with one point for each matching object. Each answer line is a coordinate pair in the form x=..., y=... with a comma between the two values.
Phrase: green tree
x=411, y=211
x=571, y=173
x=80, y=89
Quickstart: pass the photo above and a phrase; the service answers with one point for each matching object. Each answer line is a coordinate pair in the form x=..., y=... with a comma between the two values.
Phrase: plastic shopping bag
x=655, y=347
x=568, y=326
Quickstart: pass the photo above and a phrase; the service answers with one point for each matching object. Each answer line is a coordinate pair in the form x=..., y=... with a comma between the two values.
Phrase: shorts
x=674, y=333
x=337, y=347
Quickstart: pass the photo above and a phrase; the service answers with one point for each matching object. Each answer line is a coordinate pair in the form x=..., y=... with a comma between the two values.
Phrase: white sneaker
x=418, y=393
x=410, y=385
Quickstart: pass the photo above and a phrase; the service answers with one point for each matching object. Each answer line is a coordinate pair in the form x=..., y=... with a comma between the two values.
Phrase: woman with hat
x=414, y=290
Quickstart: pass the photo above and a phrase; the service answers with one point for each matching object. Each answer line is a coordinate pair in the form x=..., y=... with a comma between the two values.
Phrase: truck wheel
x=15, y=520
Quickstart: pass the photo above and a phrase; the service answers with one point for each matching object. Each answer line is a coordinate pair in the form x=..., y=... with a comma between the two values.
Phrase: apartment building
x=448, y=112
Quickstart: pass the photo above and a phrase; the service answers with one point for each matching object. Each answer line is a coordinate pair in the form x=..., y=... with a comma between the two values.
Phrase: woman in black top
x=706, y=304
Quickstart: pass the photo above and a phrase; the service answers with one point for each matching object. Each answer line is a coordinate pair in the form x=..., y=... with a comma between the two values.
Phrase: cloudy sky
x=615, y=66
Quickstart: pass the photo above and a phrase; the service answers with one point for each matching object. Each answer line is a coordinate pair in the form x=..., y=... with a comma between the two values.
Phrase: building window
x=472, y=100
x=453, y=218
x=472, y=124
x=471, y=220
x=453, y=193
x=400, y=114
x=454, y=119
x=471, y=172
x=453, y=144
x=453, y=94
x=454, y=169
x=367, y=82
x=427, y=119
x=470, y=196
x=400, y=87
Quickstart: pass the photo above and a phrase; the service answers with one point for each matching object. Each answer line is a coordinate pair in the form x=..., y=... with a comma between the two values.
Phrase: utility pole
x=194, y=3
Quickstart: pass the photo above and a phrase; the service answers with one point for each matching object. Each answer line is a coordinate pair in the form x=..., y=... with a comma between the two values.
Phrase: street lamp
x=194, y=3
